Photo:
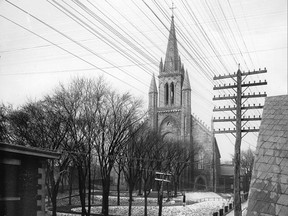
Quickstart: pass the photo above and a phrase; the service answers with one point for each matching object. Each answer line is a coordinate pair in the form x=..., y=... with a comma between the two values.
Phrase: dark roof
x=228, y=170
x=31, y=151
x=269, y=185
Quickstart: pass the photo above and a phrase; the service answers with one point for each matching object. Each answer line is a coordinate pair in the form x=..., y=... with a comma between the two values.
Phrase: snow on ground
x=197, y=209
x=202, y=208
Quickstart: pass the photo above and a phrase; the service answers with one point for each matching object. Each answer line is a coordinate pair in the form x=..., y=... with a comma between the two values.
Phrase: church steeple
x=172, y=56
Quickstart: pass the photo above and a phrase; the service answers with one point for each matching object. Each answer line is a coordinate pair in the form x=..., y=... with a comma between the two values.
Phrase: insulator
x=264, y=68
x=249, y=82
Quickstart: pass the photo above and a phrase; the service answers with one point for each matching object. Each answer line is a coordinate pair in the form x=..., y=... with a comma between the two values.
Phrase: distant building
x=226, y=178
x=170, y=115
x=22, y=181
x=269, y=185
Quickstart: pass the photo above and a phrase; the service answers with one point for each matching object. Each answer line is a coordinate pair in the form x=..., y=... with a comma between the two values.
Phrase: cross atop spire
x=172, y=9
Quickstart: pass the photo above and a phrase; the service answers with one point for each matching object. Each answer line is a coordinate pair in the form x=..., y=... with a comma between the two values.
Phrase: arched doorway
x=200, y=183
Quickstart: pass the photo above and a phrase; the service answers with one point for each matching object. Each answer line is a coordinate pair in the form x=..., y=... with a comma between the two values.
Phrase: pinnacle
x=186, y=82
x=153, y=87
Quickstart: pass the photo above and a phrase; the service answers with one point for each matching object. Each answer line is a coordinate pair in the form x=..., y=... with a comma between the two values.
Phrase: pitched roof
x=171, y=63
x=269, y=185
x=31, y=151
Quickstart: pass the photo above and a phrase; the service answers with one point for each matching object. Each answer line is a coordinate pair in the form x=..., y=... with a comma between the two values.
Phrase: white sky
x=126, y=40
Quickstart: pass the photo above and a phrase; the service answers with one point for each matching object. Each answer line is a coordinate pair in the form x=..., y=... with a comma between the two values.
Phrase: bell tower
x=172, y=115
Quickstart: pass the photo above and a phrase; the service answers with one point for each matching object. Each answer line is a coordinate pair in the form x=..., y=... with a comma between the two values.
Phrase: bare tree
x=79, y=103
x=116, y=114
x=131, y=160
x=40, y=124
x=179, y=155
x=246, y=162
x=4, y=123
x=150, y=161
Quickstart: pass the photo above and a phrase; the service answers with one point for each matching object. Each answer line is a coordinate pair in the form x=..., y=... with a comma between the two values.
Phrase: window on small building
x=201, y=160
x=172, y=93
x=166, y=94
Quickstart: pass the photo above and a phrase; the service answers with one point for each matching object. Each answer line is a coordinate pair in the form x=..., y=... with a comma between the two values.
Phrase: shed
x=22, y=181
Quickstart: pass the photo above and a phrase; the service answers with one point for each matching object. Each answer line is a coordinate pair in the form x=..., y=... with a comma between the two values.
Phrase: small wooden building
x=22, y=180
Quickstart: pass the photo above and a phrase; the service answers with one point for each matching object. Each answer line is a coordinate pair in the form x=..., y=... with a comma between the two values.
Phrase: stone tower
x=172, y=115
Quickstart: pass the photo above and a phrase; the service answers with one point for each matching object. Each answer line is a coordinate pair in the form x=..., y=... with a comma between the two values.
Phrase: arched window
x=172, y=93
x=166, y=94
x=201, y=160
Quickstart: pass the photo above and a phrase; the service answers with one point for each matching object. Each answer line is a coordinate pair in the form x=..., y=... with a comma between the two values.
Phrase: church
x=170, y=114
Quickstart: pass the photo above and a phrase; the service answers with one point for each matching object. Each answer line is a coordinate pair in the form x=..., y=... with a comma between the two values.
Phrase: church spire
x=172, y=56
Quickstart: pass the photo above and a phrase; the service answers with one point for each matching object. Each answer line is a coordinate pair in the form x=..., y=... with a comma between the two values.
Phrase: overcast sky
x=43, y=43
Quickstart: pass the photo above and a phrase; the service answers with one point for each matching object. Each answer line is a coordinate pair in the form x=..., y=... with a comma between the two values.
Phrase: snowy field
x=197, y=209
x=213, y=203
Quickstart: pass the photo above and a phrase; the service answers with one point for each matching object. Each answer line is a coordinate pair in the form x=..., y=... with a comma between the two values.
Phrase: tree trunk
x=70, y=185
x=118, y=187
x=145, y=202
x=54, y=204
x=176, y=184
x=140, y=186
x=105, y=195
x=130, y=200
x=82, y=191
x=89, y=181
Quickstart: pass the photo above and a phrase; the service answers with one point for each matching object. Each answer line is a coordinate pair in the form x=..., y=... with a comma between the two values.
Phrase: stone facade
x=170, y=115
x=268, y=193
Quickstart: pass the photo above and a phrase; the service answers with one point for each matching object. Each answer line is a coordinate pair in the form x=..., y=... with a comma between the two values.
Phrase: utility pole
x=214, y=157
x=162, y=178
x=238, y=110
